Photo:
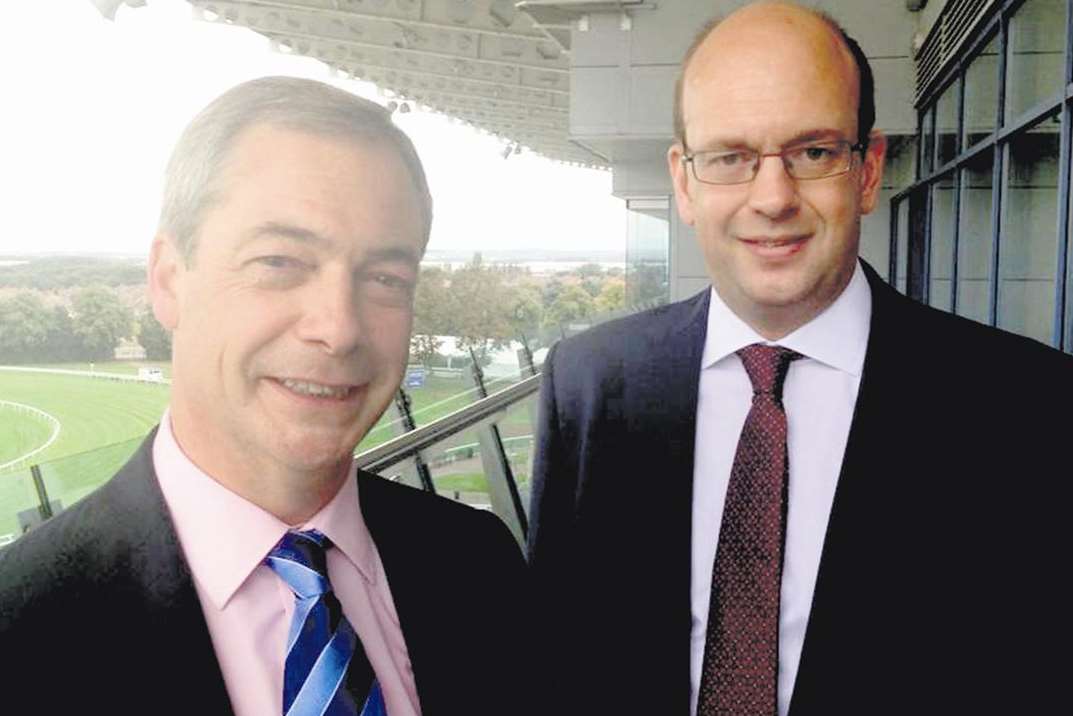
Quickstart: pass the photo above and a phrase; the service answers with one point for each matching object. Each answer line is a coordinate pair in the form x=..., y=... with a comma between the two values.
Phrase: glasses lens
x=724, y=167
x=817, y=160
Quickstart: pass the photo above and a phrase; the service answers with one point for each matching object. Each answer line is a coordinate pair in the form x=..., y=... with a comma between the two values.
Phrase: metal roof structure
x=487, y=63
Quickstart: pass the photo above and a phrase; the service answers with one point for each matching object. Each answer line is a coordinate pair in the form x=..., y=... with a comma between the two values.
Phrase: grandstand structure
x=974, y=96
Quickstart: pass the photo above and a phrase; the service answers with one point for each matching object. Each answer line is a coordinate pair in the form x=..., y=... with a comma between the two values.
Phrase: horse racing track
x=77, y=427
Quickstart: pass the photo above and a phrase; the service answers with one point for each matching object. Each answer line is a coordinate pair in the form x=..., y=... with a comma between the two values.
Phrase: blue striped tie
x=322, y=644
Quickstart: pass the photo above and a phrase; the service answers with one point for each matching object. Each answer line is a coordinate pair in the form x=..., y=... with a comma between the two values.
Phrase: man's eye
x=817, y=154
x=279, y=262
x=389, y=287
x=731, y=159
x=390, y=281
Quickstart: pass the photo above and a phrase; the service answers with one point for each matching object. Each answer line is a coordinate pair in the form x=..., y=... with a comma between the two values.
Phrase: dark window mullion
x=1069, y=46
x=957, y=190
x=1061, y=310
x=892, y=261
x=1065, y=230
x=998, y=171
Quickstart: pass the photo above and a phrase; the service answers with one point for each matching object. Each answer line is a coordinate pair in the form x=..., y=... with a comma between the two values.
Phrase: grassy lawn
x=92, y=412
x=473, y=482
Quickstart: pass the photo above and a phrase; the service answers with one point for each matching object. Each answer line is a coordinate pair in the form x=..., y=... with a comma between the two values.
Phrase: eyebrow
x=277, y=229
x=808, y=135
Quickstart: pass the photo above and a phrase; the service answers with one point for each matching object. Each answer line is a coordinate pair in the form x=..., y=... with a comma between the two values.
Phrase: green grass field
x=103, y=421
x=20, y=433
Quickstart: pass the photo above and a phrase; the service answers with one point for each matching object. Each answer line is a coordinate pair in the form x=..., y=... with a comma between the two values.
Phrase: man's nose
x=332, y=316
x=773, y=192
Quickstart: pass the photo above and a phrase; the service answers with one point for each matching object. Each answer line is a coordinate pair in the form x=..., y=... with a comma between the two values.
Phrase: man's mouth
x=772, y=243
x=776, y=247
x=317, y=390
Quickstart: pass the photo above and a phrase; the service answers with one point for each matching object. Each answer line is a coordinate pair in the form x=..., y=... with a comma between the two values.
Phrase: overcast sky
x=92, y=108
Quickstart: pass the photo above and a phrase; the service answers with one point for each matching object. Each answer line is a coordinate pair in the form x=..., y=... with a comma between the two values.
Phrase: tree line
x=483, y=305
x=32, y=331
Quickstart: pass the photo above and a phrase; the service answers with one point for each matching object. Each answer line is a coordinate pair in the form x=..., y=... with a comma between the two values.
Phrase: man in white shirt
x=868, y=531
x=240, y=562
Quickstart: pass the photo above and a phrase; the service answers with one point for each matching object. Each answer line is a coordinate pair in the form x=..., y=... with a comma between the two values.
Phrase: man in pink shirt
x=295, y=216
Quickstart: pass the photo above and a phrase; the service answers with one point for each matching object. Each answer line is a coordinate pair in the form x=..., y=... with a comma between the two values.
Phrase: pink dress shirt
x=248, y=607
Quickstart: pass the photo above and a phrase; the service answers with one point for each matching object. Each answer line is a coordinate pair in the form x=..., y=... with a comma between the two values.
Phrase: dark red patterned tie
x=740, y=671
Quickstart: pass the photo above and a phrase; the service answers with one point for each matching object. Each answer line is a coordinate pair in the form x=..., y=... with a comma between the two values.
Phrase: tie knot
x=299, y=559
x=767, y=366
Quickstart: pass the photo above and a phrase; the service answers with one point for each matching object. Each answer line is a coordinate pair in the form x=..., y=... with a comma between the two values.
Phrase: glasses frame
x=861, y=147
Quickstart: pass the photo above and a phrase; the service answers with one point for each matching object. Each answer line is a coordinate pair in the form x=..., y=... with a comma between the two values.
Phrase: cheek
x=389, y=330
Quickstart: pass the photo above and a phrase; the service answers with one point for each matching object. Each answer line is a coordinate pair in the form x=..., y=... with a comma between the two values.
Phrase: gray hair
x=192, y=179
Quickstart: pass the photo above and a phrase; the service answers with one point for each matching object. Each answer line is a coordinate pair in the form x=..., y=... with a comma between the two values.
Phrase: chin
x=777, y=293
x=314, y=452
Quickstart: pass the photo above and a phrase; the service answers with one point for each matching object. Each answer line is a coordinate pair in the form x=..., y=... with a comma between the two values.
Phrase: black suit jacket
x=98, y=613
x=942, y=585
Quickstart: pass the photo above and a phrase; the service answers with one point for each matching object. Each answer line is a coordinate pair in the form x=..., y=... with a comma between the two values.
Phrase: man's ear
x=680, y=179
x=166, y=267
x=875, y=158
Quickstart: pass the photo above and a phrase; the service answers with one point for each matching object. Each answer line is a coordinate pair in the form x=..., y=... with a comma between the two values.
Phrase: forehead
x=765, y=78
x=333, y=186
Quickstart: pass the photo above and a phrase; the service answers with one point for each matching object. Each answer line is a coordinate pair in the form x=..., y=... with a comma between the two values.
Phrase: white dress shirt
x=819, y=396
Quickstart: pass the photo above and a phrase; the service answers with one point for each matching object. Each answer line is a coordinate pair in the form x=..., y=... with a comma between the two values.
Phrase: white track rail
x=51, y=420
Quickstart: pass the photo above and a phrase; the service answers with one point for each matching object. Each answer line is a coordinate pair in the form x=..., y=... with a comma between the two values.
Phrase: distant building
x=129, y=349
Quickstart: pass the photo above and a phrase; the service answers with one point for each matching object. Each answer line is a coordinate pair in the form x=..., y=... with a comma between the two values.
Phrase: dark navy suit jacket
x=98, y=613
x=942, y=586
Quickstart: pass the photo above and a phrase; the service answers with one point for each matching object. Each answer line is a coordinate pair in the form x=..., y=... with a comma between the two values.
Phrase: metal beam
x=295, y=34
x=535, y=36
x=414, y=83
x=348, y=66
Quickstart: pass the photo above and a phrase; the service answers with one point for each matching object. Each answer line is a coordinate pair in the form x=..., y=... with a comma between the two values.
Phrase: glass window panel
x=942, y=243
x=390, y=425
x=981, y=94
x=897, y=175
x=517, y=430
x=927, y=151
x=1028, y=243
x=902, y=268
x=648, y=242
x=946, y=122
x=974, y=239
x=404, y=473
x=1036, y=48
x=17, y=498
x=504, y=367
x=457, y=470
x=69, y=479
x=466, y=468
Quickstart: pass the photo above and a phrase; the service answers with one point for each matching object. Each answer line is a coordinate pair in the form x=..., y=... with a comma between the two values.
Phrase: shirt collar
x=837, y=337
x=226, y=537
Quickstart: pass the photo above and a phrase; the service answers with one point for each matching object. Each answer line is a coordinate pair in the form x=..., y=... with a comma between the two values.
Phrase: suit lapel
x=405, y=557
x=660, y=385
x=156, y=598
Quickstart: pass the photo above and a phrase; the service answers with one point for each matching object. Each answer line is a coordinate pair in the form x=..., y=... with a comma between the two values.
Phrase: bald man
x=798, y=492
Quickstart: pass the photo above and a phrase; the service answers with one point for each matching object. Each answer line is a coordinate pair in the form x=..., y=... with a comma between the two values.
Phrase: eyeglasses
x=813, y=160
